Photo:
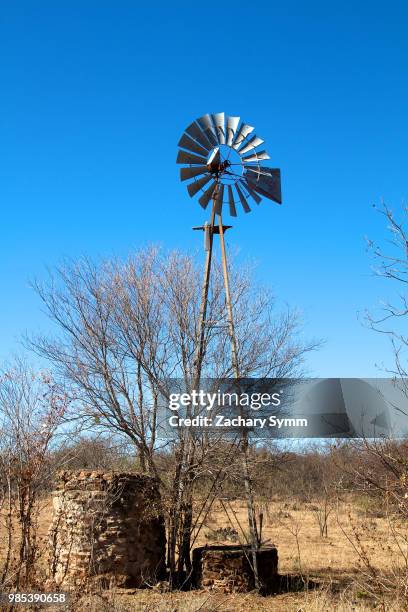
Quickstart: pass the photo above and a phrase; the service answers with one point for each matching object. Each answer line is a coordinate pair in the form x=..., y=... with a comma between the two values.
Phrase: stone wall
x=107, y=528
x=229, y=569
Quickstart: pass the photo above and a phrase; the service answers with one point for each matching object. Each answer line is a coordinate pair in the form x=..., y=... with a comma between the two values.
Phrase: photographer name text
x=220, y=420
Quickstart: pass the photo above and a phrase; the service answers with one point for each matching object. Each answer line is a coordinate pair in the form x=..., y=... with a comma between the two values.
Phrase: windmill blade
x=232, y=124
x=214, y=158
x=194, y=131
x=188, y=158
x=267, y=182
x=206, y=125
x=242, y=199
x=188, y=143
x=189, y=173
x=206, y=197
x=254, y=142
x=257, y=171
x=219, y=122
x=231, y=202
x=195, y=187
x=219, y=199
x=243, y=132
x=250, y=190
x=256, y=156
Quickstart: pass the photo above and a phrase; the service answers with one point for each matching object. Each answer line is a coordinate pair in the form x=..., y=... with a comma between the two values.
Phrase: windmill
x=221, y=160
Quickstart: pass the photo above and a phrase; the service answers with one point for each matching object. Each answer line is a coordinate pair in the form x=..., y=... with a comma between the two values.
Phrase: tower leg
x=188, y=445
x=254, y=538
x=204, y=301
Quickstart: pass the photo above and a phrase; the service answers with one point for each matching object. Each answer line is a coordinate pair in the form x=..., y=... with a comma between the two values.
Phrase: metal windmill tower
x=223, y=164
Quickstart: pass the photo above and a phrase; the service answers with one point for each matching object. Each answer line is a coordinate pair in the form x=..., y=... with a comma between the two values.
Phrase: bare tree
x=31, y=411
x=124, y=328
x=378, y=468
x=391, y=263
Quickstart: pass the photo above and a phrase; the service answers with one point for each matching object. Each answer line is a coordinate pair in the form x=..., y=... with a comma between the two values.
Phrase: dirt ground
x=331, y=561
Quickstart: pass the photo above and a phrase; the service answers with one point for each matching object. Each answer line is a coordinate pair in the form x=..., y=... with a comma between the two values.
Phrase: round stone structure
x=107, y=528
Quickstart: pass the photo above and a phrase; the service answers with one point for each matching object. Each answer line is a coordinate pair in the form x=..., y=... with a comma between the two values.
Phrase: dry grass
x=332, y=557
x=293, y=528
x=148, y=601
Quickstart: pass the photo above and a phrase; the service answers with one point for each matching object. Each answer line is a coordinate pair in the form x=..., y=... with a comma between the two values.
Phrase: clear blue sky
x=95, y=95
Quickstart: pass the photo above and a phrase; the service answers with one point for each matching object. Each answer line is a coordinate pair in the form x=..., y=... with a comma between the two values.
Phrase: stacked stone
x=108, y=528
x=228, y=569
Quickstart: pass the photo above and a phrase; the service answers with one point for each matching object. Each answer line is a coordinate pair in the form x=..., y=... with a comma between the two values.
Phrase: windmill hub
x=225, y=164
x=218, y=167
